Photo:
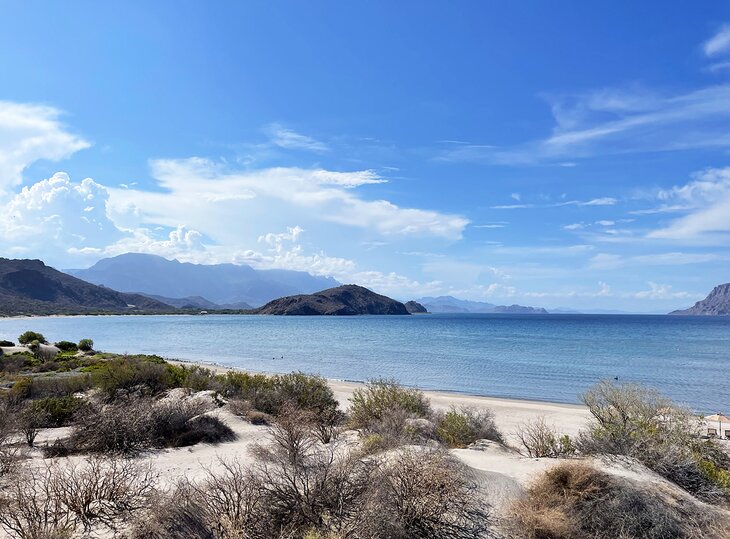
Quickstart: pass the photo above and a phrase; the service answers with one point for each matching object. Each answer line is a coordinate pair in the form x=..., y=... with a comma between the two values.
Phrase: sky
x=556, y=154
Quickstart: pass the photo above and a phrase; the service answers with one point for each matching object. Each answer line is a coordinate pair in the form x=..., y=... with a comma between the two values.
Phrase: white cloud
x=29, y=133
x=707, y=199
x=614, y=121
x=661, y=291
x=56, y=214
x=719, y=43
x=287, y=138
x=207, y=197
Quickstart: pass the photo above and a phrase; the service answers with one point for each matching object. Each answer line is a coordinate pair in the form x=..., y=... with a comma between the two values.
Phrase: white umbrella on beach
x=719, y=419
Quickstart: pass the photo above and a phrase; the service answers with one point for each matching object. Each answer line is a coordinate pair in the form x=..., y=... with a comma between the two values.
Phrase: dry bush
x=114, y=428
x=424, y=494
x=55, y=500
x=538, y=439
x=634, y=421
x=141, y=423
x=8, y=453
x=460, y=427
x=380, y=398
x=173, y=515
x=576, y=501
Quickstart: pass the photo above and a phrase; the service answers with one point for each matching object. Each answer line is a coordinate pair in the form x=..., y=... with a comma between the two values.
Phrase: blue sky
x=560, y=154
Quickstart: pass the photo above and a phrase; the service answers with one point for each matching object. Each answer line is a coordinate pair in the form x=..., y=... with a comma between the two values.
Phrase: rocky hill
x=31, y=287
x=716, y=304
x=342, y=300
x=415, y=308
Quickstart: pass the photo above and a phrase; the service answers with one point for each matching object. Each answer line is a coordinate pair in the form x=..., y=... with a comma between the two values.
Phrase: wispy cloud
x=719, y=43
x=615, y=121
x=29, y=133
x=290, y=139
x=602, y=201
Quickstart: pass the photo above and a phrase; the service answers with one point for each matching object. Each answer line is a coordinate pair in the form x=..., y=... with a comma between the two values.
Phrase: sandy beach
x=509, y=413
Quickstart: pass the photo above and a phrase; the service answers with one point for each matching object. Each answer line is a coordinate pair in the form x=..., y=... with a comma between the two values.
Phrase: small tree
x=86, y=345
x=30, y=336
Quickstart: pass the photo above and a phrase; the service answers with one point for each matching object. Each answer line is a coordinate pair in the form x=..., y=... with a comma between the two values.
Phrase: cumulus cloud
x=29, y=133
x=56, y=214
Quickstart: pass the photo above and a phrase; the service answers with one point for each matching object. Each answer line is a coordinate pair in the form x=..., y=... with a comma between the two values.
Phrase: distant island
x=717, y=303
x=415, y=308
x=450, y=304
x=342, y=300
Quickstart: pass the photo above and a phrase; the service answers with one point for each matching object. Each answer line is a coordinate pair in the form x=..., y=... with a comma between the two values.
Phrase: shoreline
x=509, y=413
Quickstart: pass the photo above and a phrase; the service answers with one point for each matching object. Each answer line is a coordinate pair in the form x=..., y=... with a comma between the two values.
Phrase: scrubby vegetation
x=302, y=488
x=575, y=501
x=30, y=336
x=391, y=475
x=633, y=421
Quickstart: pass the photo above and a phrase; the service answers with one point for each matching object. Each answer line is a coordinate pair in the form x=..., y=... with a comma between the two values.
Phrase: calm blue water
x=551, y=357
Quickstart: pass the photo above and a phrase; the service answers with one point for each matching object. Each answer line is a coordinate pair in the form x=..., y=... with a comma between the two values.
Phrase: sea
x=551, y=357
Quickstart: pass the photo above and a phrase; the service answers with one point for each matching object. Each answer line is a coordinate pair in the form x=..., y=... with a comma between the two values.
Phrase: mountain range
x=450, y=304
x=31, y=287
x=199, y=285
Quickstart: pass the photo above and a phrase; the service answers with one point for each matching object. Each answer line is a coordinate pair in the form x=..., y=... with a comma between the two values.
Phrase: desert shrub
x=8, y=453
x=56, y=449
x=463, y=426
x=576, y=501
x=53, y=501
x=21, y=389
x=57, y=411
x=179, y=514
x=379, y=398
x=180, y=423
x=258, y=418
x=634, y=421
x=113, y=428
x=29, y=421
x=121, y=376
x=14, y=363
x=4, y=343
x=141, y=423
x=240, y=407
x=86, y=345
x=30, y=336
x=424, y=494
x=59, y=386
x=193, y=377
x=66, y=346
x=538, y=440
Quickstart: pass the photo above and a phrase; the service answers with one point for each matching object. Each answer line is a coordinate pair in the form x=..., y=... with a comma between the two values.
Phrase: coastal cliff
x=717, y=303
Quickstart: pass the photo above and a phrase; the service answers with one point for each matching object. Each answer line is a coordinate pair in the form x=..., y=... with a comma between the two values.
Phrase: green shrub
x=380, y=397
x=123, y=375
x=464, y=426
x=6, y=343
x=57, y=411
x=66, y=346
x=86, y=345
x=21, y=389
x=30, y=336
x=637, y=422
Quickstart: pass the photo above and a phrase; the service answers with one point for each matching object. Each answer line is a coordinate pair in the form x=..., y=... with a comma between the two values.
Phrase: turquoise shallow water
x=550, y=357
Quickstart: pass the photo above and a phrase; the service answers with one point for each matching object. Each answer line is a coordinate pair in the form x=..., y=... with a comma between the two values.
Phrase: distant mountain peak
x=223, y=284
